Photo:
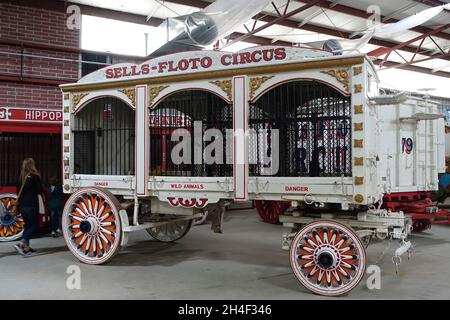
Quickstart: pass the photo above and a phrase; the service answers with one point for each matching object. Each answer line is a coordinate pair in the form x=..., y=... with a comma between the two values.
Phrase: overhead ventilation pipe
x=202, y=28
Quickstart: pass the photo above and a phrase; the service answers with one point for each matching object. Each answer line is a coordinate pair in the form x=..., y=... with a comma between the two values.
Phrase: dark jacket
x=29, y=195
x=55, y=198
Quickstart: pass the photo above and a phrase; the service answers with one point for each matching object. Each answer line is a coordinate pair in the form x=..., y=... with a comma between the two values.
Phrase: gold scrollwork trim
x=77, y=98
x=341, y=75
x=256, y=83
x=358, y=126
x=359, y=181
x=359, y=198
x=225, y=85
x=358, y=143
x=357, y=70
x=155, y=91
x=358, y=88
x=359, y=109
x=359, y=161
x=66, y=96
x=131, y=94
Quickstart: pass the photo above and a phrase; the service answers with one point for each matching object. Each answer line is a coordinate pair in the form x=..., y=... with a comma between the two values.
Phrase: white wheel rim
x=328, y=258
x=11, y=227
x=91, y=226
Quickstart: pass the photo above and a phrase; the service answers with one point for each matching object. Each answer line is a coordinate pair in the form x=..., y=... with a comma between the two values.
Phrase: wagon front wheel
x=328, y=258
x=91, y=225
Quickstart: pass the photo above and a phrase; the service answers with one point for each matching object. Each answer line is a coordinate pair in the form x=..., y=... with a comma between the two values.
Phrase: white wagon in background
x=285, y=124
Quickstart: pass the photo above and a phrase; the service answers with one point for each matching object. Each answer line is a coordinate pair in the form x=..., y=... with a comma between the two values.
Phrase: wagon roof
x=197, y=65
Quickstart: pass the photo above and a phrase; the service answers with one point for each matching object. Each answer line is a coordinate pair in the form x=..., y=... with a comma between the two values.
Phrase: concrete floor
x=245, y=262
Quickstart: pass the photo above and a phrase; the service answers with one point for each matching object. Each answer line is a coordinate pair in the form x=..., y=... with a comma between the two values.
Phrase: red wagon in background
x=26, y=133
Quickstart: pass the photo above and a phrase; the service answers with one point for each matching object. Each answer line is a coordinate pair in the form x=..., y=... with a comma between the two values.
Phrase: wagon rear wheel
x=11, y=227
x=328, y=258
x=421, y=225
x=270, y=210
x=91, y=225
x=170, y=232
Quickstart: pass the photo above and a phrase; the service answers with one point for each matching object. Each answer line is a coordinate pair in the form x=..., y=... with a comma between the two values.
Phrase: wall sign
x=30, y=115
x=200, y=61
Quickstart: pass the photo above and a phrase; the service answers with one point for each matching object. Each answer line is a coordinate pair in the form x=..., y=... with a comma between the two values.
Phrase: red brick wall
x=22, y=95
x=45, y=27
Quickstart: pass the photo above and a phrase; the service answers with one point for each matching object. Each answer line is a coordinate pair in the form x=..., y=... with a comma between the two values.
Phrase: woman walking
x=29, y=186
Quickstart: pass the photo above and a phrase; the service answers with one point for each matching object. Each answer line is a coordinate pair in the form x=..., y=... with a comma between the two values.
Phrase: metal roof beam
x=363, y=14
x=380, y=51
x=390, y=64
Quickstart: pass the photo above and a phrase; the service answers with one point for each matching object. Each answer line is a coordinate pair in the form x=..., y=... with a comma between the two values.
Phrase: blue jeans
x=55, y=216
x=30, y=217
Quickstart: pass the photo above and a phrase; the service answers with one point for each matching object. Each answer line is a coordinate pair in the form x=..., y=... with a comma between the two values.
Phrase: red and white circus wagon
x=26, y=133
x=156, y=145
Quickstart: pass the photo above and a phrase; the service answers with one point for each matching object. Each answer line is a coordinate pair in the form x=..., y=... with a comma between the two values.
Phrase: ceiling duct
x=203, y=28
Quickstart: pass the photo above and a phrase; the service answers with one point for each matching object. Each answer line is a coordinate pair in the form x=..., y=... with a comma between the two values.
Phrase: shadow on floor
x=40, y=252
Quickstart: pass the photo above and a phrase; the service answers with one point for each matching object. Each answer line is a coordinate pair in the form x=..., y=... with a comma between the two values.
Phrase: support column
x=240, y=140
x=142, y=136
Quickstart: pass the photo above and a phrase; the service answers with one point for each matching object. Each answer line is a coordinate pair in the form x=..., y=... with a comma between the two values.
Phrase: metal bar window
x=181, y=111
x=104, y=138
x=314, y=125
x=43, y=148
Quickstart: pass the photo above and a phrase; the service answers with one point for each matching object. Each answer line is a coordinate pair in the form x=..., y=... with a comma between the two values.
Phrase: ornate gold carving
x=66, y=96
x=358, y=126
x=66, y=109
x=66, y=136
x=358, y=88
x=256, y=83
x=131, y=94
x=358, y=143
x=66, y=123
x=66, y=176
x=359, y=181
x=66, y=149
x=225, y=85
x=359, y=109
x=359, y=198
x=155, y=91
x=341, y=75
x=66, y=187
x=66, y=162
x=76, y=99
x=357, y=70
x=359, y=161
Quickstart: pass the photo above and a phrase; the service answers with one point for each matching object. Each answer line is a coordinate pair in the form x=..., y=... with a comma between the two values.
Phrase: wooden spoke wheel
x=270, y=210
x=421, y=225
x=328, y=258
x=92, y=226
x=170, y=232
x=11, y=227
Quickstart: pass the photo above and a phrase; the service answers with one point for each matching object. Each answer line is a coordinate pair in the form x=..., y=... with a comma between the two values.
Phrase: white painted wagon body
x=336, y=144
